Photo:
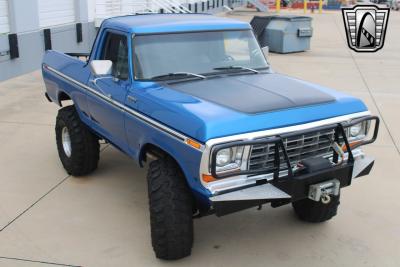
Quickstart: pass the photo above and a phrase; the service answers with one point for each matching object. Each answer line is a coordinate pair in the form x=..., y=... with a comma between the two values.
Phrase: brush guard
x=296, y=184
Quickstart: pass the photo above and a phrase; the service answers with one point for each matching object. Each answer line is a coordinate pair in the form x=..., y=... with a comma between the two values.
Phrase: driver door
x=106, y=115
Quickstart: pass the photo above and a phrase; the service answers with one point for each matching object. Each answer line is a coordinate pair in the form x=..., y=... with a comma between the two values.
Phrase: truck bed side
x=57, y=69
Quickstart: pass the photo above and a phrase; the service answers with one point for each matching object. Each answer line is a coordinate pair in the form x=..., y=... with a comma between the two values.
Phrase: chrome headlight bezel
x=233, y=162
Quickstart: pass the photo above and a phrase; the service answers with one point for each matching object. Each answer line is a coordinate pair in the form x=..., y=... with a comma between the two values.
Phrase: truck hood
x=230, y=105
x=255, y=93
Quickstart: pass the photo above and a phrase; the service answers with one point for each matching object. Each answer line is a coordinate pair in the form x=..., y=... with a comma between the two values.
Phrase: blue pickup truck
x=194, y=96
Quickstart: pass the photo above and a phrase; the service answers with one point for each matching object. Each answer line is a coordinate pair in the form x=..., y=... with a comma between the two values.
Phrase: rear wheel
x=311, y=211
x=171, y=210
x=78, y=148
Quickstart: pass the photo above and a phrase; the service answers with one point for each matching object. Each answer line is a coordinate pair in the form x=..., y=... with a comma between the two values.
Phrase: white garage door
x=56, y=12
x=4, y=25
x=108, y=8
x=111, y=8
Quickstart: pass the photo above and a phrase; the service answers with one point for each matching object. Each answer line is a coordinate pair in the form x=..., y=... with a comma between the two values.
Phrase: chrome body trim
x=289, y=129
x=261, y=192
x=155, y=124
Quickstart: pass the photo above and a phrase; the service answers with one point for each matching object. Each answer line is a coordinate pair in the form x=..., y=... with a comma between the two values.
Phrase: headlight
x=355, y=130
x=229, y=159
x=223, y=157
x=358, y=131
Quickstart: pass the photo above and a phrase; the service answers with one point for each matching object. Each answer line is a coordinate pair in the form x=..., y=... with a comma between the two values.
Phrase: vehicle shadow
x=271, y=233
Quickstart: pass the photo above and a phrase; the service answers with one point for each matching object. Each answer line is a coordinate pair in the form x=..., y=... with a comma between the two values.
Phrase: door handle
x=132, y=99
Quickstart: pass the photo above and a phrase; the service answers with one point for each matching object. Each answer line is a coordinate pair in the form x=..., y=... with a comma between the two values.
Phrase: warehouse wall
x=31, y=48
x=29, y=19
x=26, y=21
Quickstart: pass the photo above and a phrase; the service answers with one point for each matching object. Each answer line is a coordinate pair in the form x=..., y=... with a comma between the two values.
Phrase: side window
x=116, y=50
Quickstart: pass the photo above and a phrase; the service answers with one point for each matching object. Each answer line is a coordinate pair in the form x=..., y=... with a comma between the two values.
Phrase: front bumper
x=295, y=184
x=283, y=191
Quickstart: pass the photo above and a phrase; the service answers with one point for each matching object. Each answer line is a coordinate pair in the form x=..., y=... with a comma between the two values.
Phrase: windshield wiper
x=175, y=75
x=236, y=68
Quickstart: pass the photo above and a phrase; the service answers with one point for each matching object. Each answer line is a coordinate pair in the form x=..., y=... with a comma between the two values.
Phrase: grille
x=298, y=147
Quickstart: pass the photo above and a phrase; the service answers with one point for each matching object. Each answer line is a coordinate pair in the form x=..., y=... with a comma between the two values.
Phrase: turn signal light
x=352, y=144
x=208, y=178
x=193, y=143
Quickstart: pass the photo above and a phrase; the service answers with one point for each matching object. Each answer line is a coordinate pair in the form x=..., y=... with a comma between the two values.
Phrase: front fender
x=141, y=134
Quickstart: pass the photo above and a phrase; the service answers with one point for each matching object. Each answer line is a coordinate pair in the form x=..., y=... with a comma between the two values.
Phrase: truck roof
x=162, y=23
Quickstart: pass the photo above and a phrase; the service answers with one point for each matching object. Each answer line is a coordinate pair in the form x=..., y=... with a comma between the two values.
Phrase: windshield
x=196, y=53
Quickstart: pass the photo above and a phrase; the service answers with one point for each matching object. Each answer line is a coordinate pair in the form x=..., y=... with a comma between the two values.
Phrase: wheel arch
x=156, y=152
x=153, y=150
x=61, y=97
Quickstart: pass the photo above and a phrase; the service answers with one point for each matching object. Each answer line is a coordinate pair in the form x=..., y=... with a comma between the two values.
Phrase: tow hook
x=325, y=198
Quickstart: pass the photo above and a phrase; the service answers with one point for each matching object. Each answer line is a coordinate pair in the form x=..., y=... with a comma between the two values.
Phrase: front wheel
x=171, y=210
x=311, y=211
x=78, y=148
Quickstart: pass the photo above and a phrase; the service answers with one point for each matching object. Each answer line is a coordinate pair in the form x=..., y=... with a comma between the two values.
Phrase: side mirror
x=101, y=67
x=265, y=50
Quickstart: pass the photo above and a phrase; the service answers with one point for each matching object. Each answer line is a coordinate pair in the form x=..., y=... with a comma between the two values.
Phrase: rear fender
x=65, y=78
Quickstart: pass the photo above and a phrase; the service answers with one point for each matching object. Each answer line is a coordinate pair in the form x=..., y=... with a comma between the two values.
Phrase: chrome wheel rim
x=66, y=142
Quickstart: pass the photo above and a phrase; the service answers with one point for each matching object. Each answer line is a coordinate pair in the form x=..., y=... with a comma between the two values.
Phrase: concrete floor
x=48, y=218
